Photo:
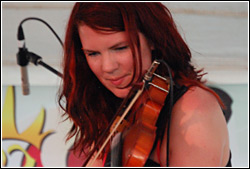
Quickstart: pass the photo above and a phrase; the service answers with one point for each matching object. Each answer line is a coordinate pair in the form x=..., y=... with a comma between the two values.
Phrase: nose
x=109, y=63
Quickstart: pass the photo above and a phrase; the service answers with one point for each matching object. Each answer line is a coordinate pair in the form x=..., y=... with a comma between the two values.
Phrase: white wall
x=216, y=32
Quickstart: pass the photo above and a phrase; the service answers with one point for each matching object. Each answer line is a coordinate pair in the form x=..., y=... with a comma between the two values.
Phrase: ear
x=151, y=45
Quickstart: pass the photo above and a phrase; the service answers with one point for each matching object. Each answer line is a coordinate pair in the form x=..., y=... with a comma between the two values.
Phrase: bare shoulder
x=198, y=103
x=199, y=100
x=198, y=133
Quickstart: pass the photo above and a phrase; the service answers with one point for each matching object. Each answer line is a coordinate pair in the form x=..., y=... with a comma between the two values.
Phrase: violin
x=135, y=121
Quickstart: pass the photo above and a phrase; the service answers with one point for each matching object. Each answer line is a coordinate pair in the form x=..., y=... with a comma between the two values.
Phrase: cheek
x=94, y=66
x=126, y=60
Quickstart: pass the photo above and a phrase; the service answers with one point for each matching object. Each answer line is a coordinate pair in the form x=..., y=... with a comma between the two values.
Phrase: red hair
x=87, y=102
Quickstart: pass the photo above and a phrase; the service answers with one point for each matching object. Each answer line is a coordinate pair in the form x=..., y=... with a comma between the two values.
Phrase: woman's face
x=110, y=58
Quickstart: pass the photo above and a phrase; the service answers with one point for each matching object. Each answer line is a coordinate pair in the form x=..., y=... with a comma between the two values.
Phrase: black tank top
x=161, y=123
x=151, y=163
x=178, y=92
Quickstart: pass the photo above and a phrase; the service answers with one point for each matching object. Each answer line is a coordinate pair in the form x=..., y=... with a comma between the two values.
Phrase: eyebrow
x=112, y=47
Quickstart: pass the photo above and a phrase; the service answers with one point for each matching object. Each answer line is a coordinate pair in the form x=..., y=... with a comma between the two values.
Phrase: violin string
x=169, y=108
x=154, y=109
x=101, y=138
x=116, y=126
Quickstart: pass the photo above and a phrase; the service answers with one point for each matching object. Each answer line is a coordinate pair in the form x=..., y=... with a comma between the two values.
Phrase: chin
x=121, y=93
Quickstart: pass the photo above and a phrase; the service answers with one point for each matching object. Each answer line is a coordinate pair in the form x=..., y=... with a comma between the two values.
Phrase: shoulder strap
x=165, y=115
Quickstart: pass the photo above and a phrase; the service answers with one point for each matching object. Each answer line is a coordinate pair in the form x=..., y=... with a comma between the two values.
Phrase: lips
x=117, y=81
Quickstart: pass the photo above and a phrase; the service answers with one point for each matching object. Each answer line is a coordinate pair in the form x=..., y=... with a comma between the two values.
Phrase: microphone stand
x=37, y=60
x=50, y=68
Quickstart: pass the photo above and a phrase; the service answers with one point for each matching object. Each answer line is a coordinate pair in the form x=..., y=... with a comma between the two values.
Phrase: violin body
x=139, y=137
x=135, y=122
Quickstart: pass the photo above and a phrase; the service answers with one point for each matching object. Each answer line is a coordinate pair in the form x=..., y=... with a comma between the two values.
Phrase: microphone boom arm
x=37, y=60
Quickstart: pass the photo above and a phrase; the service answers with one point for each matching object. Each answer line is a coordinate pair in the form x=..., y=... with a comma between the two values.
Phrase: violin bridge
x=121, y=126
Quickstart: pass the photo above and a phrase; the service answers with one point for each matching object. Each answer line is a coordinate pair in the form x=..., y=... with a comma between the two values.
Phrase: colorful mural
x=25, y=148
x=34, y=132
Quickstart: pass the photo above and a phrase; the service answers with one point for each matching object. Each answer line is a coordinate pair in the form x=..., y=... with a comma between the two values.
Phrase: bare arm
x=198, y=133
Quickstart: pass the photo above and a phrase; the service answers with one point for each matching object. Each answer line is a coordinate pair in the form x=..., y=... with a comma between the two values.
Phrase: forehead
x=92, y=38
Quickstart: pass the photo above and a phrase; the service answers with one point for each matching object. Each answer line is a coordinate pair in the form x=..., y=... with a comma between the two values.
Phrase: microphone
x=23, y=61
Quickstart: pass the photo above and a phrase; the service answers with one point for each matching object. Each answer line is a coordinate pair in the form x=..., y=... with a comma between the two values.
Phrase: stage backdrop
x=34, y=131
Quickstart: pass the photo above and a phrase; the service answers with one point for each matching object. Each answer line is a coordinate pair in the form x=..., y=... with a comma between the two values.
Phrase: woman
x=108, y=48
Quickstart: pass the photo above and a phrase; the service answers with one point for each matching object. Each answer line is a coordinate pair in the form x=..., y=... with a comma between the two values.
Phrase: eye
x=121, y=48
x=91, y=54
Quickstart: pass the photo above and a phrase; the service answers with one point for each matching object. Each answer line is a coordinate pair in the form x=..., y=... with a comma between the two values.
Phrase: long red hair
x=85, y=100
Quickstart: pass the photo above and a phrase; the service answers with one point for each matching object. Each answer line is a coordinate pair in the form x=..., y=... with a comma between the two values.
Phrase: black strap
x=165, y=116
x=229, y=164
